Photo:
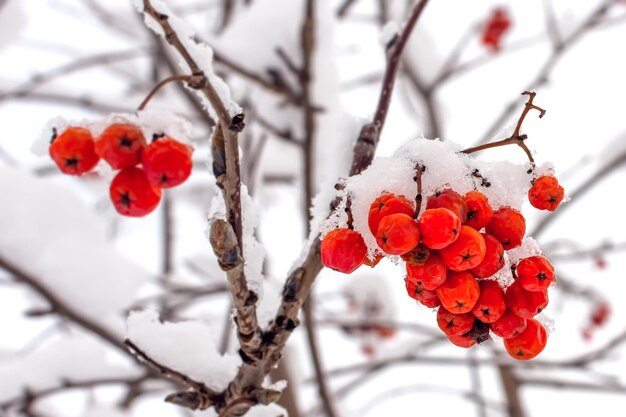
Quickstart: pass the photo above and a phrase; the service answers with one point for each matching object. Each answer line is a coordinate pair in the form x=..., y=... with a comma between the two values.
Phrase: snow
x=47, y=366
x=201, y=53
x=189, y=347
x=93, y=278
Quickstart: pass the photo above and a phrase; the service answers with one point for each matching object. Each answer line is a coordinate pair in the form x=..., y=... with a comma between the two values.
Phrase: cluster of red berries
x=144, y=169
x=494, y=29
x=448, y=259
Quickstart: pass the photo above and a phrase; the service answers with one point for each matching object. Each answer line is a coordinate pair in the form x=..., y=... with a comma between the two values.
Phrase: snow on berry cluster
x=465, y=252
x=143, y=169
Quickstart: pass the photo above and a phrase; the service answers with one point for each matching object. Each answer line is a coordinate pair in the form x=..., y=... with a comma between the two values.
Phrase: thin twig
x=172, y=78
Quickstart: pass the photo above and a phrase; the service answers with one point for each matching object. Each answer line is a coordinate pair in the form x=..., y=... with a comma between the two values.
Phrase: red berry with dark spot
x=132, y=194
x=449, y=199
x=490, y=305
x=343, y=250
x=74, y=151
x=479, y=212
x=385, y=205
x=525, y=303
x=397, y=234
x=453, y=324
x=430, y=275
x=508, y=226
x=426, y=297
x=121, y=145
x=508, y=325
x=439, y=227
x=464, y=340
x=494, y=258
x=535, y=273
x=167, y=162
x=466, y=252
x=529, y=342
x=459, y=292
x=546, y=193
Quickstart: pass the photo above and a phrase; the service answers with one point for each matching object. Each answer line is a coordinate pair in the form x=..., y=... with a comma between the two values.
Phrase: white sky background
x=581, y=130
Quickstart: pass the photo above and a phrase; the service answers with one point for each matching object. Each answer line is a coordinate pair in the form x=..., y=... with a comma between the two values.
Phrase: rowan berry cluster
x=143, y=169
x=453, y=252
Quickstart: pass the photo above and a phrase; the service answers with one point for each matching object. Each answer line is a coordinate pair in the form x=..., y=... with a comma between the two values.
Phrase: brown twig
x=516, y=138
x=419, y=171
x=172, y=78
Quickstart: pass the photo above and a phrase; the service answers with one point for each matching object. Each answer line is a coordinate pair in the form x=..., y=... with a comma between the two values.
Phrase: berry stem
x=516, y=138
x=157, y=87
x=419, y=171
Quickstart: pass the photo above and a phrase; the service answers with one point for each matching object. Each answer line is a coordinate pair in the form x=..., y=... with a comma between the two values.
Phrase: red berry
x=535, y=273
x=494, y=258
x=508, y=226
x=132, y=194
x=466, y=252
x=343, y=250
x=453, y=324
x=167, y=162
x=426, y=297
x=449, y=199
x=479, y=212
x=459, y=292
x=439, y=227
x=121, y=145
x=525, y=303
x=600, y=314
x=508, y=325
x=430, y=275
x=385, y=332
x=74, y=151
x=373, y=262
x=529, y=342
x=490, y=305
x=397, y=234
x=546, y=193
x=464, y=340
x=385, y=205
x=495, y=28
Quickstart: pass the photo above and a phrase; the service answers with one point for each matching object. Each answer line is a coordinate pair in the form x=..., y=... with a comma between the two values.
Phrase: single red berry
x=439, y=227
x=479, y=212
x=397, y=234
x=385, y=205
x=546, y=193
x=426, y=297
x=449, y=199
x=508, y=325
x=529, y=342
x=417, y=256
x=120, y=145
x=343, y=250
x=535, y=273
x=385, y=332
x=525, y=303
x=373, y=262
x=167, y=162
x=459, y=292
x=452, y=324
x=490, y=305
x=466, y=252
x=494, y=29
x=463, y=340
x=494, y=258
x=74, y=151
x=430, y=275
x=132, y=194
x=508, y=226
x=600, y=314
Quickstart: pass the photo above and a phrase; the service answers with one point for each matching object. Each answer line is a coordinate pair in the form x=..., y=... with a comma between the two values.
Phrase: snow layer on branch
x=74, y=259
x=47, y=366
x=189, y=347
x=201, y=53
x=445, y=167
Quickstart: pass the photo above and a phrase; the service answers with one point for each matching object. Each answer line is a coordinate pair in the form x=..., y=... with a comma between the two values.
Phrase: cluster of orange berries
x=144, y=169
x=448, y=260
